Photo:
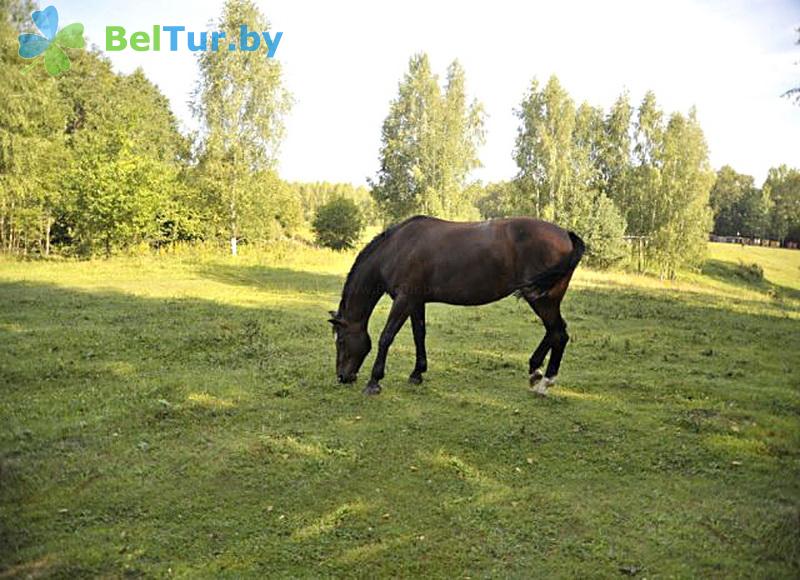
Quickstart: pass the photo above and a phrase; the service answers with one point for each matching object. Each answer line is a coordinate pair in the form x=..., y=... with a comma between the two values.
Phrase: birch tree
x=241, y=103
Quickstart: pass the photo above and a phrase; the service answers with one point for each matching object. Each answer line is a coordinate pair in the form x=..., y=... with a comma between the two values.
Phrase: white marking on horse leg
x=540, y=387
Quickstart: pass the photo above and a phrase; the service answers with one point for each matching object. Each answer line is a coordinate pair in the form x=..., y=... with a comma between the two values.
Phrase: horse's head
x=352, y=346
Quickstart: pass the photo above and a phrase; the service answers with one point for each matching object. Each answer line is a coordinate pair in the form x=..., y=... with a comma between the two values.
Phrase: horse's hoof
x=372, y=389
x=536, y=376
x=540, y=387
x=415, y=379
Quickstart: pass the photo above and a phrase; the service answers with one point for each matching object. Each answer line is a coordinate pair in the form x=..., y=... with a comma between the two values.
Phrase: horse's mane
x=368, y=250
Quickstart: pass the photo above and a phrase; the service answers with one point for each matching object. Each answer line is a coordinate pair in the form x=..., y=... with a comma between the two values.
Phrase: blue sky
x=342, y=62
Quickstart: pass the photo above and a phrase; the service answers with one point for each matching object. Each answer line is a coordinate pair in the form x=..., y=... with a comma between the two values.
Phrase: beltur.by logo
x=51, y=42
x=176, y=36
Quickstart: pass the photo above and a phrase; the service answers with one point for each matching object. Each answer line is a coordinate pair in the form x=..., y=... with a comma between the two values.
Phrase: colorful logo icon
x=52, y=41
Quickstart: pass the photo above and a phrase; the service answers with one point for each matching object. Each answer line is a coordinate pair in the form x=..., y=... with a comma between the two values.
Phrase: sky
x=342, y=61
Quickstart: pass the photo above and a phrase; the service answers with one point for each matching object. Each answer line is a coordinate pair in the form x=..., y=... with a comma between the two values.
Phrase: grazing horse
x=425, y=259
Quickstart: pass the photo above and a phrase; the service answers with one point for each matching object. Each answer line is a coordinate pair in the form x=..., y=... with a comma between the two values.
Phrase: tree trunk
x=47, y=236
x=234, y=232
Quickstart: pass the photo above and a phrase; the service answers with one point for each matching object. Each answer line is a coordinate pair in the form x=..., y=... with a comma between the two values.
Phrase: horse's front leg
x=418, y=326
x=397, y=317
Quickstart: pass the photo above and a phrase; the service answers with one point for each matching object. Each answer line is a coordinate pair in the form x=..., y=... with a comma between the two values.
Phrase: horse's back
x=470, y=262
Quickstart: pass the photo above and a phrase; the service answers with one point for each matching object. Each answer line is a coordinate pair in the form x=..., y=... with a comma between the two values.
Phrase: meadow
x=179, y=415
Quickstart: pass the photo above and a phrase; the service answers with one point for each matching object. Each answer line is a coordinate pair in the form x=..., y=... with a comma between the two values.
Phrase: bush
x=750, y=272
x=338, y=224
x=602, y=228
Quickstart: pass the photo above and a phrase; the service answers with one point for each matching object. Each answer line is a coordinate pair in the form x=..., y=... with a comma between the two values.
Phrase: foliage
x=738, y=206
x=32, y=145
x=497, y=200
x=182, y=418
x=314, y=195
x=782, y=189
x=681, y=216
x=429, y=144
x=544, y=151
x=605, y=175
x=338, y=224
x=752, y=272
x=561, y=177
x=772, y=212
x=602, y=228
x=642, y=206
x=124, y=181
x=614, y=156
x=241, y=103
x=117, y=199
x=96, y=162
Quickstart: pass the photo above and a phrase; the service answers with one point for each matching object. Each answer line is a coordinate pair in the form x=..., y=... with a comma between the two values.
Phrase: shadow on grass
x=141, y=433
x=272, y=279
x=737, y=275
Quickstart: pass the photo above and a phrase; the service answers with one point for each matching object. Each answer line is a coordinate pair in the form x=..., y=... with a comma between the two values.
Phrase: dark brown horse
x=426, y=259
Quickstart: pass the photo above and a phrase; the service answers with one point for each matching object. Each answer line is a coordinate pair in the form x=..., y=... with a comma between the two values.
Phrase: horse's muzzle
x=346, y=379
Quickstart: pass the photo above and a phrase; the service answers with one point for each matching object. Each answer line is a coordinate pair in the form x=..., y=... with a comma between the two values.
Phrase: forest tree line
x=632, y=171
x=94, y=161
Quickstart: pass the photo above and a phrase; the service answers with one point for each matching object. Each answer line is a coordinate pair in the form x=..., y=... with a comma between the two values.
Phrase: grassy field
x=179, y=416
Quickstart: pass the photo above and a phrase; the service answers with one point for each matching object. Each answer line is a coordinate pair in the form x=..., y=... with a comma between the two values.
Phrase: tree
x=614, y=158
x=643, y=203
x=603, y=228
x=588, y=142
x=739, y=208
x=729, y=188
x=753, y=208
x=681, y=217
x=558, y=153
x=497, y=200
x=589, y=210
x=782, y=188
x=429, y=144
x=544, y=149
x=338, y=224
x=118, y=198
x=124, y=183
x=314, y=195
x=32, y=146
x=241, y=102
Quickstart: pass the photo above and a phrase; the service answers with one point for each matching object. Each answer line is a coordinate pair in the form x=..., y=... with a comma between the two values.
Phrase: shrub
x=338, y=224
x=750, y=272
x=602, y=227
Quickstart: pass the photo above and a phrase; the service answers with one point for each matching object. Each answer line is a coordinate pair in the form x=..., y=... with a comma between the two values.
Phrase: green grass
x=178, y=415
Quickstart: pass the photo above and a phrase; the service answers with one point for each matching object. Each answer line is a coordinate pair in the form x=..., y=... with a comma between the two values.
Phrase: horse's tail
x=578, y=248
x=540, y=284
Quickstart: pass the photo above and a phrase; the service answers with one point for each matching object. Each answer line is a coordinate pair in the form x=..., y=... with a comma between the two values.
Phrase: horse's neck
x=362, y=293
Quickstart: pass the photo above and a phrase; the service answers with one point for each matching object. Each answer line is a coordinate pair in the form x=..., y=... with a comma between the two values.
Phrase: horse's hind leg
x=537, y=359
x=418, y=327
x=555, y=340
x=539, y=354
